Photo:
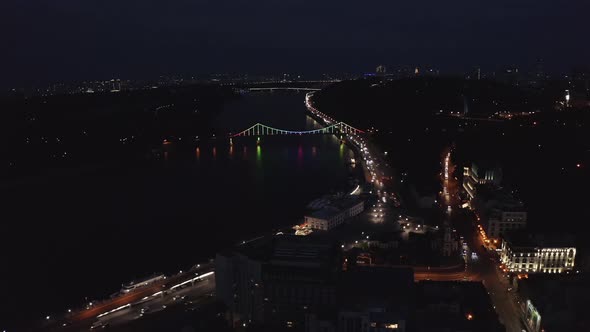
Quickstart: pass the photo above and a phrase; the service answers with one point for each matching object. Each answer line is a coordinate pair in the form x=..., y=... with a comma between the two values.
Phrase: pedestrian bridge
x=260, y=129
x=273, y=88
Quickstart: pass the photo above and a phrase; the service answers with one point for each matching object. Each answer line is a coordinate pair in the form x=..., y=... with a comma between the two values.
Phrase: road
x=481, y=269
x=84, y=317
x=446, y=276
x=497, y=287
x=453, y=273
x=484, y=268
x=189, y=297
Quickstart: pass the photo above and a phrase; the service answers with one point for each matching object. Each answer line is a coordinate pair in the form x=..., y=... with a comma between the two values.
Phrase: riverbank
x=162, y=215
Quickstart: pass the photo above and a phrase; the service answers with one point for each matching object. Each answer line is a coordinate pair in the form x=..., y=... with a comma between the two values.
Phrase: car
x=99, y=325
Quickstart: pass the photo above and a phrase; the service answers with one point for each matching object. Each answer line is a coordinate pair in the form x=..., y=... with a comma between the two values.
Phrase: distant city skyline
x=71, y=40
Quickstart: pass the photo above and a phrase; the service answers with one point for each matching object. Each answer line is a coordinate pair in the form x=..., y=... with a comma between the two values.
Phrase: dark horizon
x=141, y=40
x=294, y=165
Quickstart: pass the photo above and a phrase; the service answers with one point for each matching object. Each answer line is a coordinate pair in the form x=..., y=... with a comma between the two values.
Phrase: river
x=110, y=225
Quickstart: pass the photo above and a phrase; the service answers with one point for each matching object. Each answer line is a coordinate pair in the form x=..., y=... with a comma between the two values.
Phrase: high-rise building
x=115, y=85
x=276, y=280
x=478, y=174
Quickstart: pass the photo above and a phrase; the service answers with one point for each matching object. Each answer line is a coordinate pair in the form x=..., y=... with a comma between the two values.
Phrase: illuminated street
x=484, y=268
x=185, y=286
x=297, y=166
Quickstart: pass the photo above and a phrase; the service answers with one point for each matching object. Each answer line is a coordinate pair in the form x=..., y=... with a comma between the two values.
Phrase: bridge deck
x=264, y=130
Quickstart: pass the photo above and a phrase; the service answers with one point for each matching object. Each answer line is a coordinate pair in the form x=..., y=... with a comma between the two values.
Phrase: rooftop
x=456, y=306
x=383, y=287
x=505, y=199
x=523, y=238
x=326, y=212
x=340, y=202
x=288, y=250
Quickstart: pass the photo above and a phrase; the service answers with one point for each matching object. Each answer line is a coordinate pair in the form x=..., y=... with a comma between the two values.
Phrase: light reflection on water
x=196, y=200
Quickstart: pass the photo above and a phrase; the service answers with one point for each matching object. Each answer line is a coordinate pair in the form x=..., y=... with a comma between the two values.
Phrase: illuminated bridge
x=263, y=130
x=282, y=88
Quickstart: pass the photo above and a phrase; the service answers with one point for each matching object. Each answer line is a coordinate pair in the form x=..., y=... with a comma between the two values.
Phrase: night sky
x=99, y=39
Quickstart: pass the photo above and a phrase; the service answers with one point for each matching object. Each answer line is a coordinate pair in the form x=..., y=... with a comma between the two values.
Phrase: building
x=115, y=85
x=505, y=219
x=524, y=253
x=370, y=299
x=333, y=212
x=510, y=75
x=450, y=244
x=498, y=210
x=375, y=299
x=454, y=306
x=385, y=240
x=480, y=174
x=555, y=303
x=275, y=281
x=326, y=218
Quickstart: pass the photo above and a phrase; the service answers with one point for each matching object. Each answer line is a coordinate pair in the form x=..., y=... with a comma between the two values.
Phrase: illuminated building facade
x=478, y=174
x=532, y=316
x=555, y=302
x=334, y=213
x=326, y=218
x=525, y=253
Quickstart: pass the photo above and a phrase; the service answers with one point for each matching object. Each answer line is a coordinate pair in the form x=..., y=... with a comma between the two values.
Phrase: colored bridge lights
x=260, y=129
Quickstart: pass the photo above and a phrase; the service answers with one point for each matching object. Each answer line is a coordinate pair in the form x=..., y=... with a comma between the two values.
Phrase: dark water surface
x=81, y=234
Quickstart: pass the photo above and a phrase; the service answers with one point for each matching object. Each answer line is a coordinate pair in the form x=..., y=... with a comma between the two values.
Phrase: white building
x=326, y=218
x=334, y=214
x=526, y=253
